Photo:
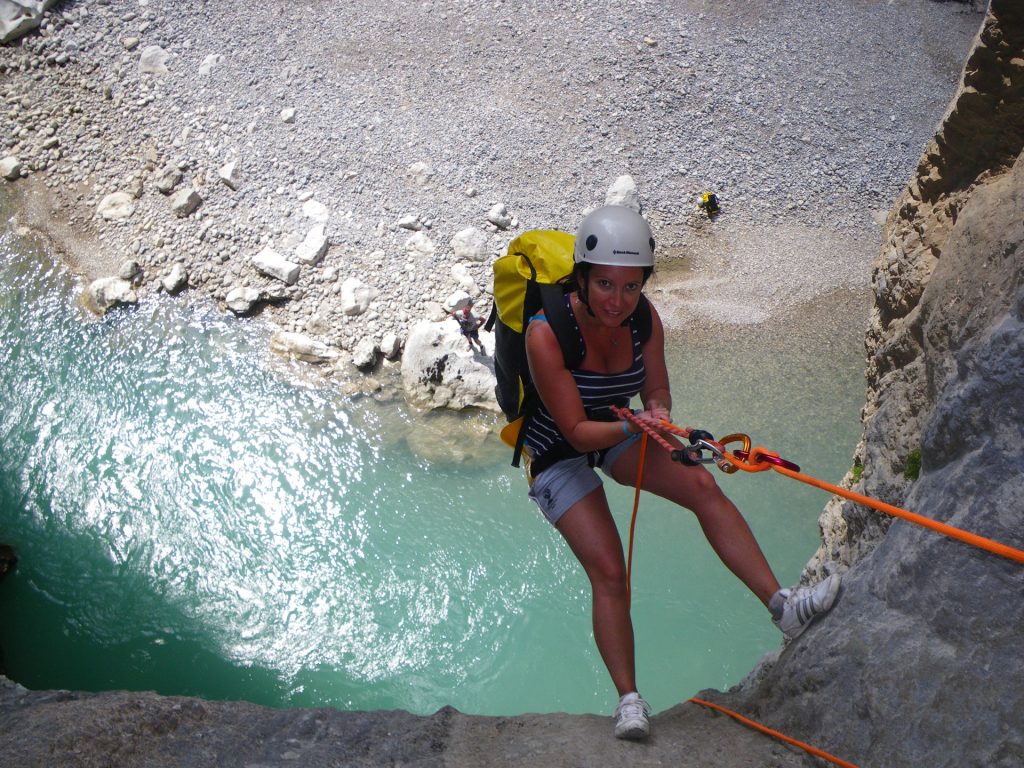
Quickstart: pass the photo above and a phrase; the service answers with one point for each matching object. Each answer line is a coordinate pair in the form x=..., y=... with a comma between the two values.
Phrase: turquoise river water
x=194, y=517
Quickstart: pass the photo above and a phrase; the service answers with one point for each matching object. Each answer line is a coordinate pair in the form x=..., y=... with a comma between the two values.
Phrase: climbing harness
x=760, y=459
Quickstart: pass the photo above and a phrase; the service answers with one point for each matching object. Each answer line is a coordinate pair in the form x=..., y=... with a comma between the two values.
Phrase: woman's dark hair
x=581, y=272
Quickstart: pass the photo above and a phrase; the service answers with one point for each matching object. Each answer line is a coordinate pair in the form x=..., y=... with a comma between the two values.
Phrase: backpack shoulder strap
x=491, y=317
x=564, y=326
x=641, y=319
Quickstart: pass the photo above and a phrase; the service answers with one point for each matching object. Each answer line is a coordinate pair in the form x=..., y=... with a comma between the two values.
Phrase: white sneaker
x=631, y=717
x=805, y=604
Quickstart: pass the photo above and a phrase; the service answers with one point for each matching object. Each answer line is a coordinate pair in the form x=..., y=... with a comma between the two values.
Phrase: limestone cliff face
x=920, y=663
x=978, y=141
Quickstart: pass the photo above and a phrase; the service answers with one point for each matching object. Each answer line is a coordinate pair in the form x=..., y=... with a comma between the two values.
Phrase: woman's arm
x=656, y=394
x=558, y=391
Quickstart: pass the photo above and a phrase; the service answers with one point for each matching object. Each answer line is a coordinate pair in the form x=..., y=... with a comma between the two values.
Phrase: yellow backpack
x=527, y=279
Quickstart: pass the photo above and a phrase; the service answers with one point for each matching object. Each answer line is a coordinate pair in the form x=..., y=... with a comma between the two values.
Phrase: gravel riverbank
x=398, y=126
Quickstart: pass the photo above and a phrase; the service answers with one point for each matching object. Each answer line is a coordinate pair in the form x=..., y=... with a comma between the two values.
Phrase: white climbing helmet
x=615, y=236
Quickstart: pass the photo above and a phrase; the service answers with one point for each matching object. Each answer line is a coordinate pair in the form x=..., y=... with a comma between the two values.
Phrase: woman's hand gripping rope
x=756, y=460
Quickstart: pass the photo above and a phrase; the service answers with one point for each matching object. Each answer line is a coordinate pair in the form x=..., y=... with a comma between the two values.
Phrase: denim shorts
x=563, y=484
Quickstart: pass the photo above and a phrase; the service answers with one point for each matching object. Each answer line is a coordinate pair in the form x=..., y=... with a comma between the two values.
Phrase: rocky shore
x=347, y=168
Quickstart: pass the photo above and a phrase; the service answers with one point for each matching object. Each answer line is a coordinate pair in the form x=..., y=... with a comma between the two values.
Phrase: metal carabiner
x=737, y=436
x=725, y=464
x=769, y=458
x=692, y=455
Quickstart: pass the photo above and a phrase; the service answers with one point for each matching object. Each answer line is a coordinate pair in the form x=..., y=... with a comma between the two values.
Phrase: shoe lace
x=632, y=708
x=805, y=603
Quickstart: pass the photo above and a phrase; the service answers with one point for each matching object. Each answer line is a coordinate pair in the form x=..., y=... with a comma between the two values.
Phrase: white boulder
x=356, y=296
x=499, y=216
x=116, y=206
x=313, y=248
x=210, y=63
x=108, y=292
x=228, y=174
x=175, y=280
x=185, y=201
x=167, y=178
x=302, y=347
x=271, y=263
x=391, y=346
x=153, y=60
x=421, y=173
x=315, y=210
x=440, y=371
x=130, y=270
x=419, y=244
x=242, y=299
x=458, y=300
x=10, y=168
x=18, y=17
x=623, y=192
x=465, y=280
x=364, y=356
x=470, y=244
x=411, y=221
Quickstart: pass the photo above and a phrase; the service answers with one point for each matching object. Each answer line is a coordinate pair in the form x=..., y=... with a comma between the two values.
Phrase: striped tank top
x=599, y=391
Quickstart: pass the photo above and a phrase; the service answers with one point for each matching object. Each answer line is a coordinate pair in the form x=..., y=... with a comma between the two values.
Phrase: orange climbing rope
x=775, y=734
x=760, y=459
x=973, y=539
x=632, y=522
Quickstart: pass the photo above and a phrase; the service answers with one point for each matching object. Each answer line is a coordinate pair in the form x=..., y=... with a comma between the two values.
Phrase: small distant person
x=469, y=325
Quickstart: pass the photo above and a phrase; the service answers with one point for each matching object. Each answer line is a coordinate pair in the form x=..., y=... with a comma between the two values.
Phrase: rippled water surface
x=194, y=517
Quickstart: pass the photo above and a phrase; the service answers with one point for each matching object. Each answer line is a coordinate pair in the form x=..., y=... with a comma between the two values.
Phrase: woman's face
x=613, y=292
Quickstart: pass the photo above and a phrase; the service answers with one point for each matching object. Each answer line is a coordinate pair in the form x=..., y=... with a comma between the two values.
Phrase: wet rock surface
x=60, y=728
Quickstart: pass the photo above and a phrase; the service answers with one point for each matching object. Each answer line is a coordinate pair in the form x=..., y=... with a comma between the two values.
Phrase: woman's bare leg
x=723, y=525
x=590, y=531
